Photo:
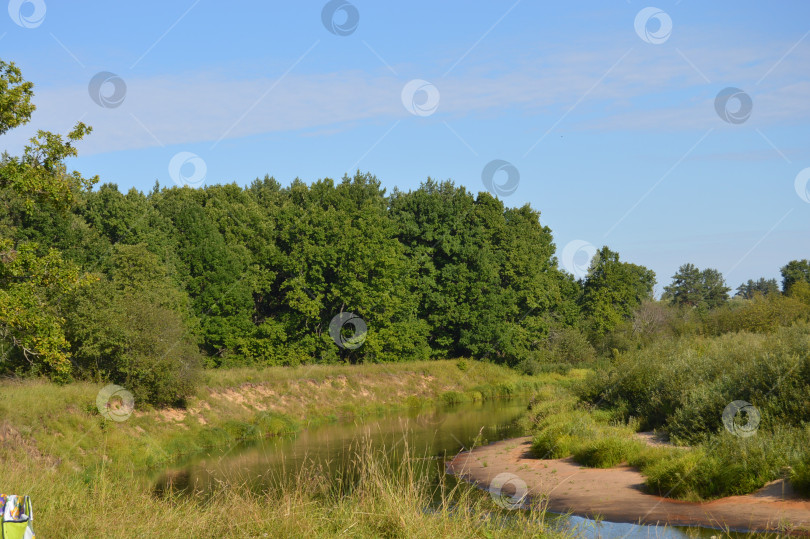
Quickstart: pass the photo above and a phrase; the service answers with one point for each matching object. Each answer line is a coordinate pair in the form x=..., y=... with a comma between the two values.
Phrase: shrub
x=683, y=385
x=653, y=320
x=607, y=451
x=800, y=475
x=569, y=345
x=451, y=397
x=801, y=292
x=762, y=314
x=558, y=435
x=133, y=340
x=530, y=367
x=727, y=465
x=159, y=364
x=676, y=477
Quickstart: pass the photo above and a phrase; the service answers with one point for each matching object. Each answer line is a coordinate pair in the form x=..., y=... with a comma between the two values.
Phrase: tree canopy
x=762, y=286
x=695, y=288
x=793, y=272
x=613, y=290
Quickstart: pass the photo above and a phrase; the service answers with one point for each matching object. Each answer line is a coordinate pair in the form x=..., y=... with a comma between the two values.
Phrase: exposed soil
x=617, y=494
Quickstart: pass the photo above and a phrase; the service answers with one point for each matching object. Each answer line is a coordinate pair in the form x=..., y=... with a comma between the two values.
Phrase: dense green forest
x=145, y=289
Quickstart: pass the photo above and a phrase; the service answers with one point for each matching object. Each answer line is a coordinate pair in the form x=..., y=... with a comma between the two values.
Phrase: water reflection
x=433, y=436
x=428, y=434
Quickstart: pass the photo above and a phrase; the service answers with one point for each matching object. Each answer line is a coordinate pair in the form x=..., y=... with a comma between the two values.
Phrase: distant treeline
x=144, y=288
x=255, y=275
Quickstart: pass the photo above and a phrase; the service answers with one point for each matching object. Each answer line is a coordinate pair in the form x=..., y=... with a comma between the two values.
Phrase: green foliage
x=694, y=288
x=801, y=292
x=569, y=345
x=451, y=397
x=607, y=451
x=800, y=475
x=761, y=286
x=30, y=287
x=15, y=97
x=485, y=278
x=795, y=271
x=651, y=321
x=683, y=385
x=32, y=277
x=762, y=314
x=613, y=290
x=727, y=466
x=40, y=176
x=130, y=328
x=597, y=428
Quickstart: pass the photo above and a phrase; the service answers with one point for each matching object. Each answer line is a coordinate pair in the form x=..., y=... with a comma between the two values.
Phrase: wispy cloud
x=653, y=88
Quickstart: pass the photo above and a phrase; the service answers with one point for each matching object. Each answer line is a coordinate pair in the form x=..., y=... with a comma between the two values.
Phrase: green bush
x=800, y=475
x=607, y=451
x=530, y=367
x=727, y=465
x=683, y=385
x=762, y=314
x=274, y=424
x=560, y=434
x=533, y=367
x=569, y=345
x=676, y=477
x=451, y=397
x=133, y=330
x=801, y=292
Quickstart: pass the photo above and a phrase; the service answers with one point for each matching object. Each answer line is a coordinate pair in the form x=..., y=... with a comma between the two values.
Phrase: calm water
x=435, y=436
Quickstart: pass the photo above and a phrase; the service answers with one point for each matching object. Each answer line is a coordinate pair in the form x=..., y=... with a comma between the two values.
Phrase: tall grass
x=86, y=474
x=390, y=496
x=240, y=404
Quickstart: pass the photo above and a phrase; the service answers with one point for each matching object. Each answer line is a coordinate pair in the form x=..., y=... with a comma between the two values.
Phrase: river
x=435, y=435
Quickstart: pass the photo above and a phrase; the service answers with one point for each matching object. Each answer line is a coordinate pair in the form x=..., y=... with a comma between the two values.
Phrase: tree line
x=144, y=289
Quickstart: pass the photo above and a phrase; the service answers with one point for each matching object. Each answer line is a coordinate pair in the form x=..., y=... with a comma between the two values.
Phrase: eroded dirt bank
x=617, y=494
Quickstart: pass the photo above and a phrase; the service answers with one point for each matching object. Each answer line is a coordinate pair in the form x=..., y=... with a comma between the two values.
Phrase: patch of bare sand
x=617, y=494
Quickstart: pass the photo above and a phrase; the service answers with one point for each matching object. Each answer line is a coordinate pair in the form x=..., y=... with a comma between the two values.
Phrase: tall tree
x=793, y=272
x=762, y=286
x=613, y=290
x=686, y=287
x=694, y=288
x=215, y=274
x=487, y=281
x=714, y=289
x=32, y=279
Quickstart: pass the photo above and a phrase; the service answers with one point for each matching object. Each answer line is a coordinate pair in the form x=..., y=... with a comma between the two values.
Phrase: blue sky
x=611, y=125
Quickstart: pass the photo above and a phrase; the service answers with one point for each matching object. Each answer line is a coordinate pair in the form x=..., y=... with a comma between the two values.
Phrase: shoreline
x=617, y=494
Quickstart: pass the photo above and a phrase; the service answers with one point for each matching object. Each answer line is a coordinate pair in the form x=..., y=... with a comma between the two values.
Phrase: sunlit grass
x=680, y=387
x=390, y=495
x=240, y=404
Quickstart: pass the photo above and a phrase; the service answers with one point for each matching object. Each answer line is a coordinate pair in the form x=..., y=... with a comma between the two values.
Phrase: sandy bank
x=617, y=494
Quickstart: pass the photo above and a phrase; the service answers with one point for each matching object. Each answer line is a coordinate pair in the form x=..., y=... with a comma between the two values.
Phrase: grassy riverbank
x=389, y=501
x=63, y=424
x=681, y=388
x=84, y=472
